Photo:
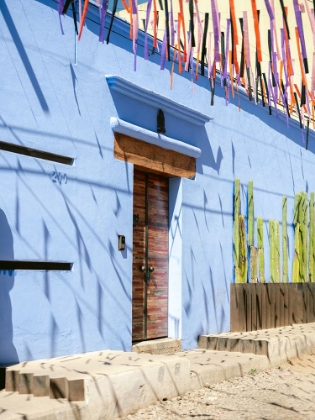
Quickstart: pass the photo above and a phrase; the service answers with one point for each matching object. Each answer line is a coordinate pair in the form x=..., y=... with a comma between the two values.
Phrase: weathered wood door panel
x=150, y=256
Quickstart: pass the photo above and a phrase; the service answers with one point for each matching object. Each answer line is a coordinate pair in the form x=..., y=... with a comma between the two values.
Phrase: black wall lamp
x=121, y=243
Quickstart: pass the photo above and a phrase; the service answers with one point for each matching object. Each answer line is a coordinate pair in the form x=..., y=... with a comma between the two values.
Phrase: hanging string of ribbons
x=199, y=42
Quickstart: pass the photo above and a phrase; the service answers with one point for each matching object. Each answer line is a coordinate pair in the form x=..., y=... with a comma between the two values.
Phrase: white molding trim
x=139, y=133
x=148, y=97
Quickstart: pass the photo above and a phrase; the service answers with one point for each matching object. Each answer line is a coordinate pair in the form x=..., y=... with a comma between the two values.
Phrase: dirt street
x=284, y=393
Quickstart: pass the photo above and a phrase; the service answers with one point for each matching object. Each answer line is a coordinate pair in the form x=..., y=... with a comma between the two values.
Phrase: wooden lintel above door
x=153, y=158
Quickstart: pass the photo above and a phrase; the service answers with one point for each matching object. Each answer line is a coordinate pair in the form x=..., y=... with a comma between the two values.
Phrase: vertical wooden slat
x=248, y=305
x=269, y=306
x=302, y=306
x=312, y=291
x=157, y=320
x=259, y=306
x=277, y=305
x=305, y=303
x=310, y=301
x=281, y=308
x=285, y=304
x=291, y=288
x=138, y=281
x=264, y=298
x=306, y=299
x=273, y=305
x=242, y=307
x=296, y=303
x=254, y=306
x=275, y=300
x=282, y=298
x=234, y=308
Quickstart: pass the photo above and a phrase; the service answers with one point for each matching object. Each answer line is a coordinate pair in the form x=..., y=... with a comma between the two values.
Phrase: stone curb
x=113, y=384
x=278, y=344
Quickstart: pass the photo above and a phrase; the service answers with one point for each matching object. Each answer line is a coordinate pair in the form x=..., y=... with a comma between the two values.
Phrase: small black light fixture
x=121, y=243
x=161, y=122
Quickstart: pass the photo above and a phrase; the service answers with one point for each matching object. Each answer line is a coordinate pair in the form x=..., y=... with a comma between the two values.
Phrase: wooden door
x=150, y=256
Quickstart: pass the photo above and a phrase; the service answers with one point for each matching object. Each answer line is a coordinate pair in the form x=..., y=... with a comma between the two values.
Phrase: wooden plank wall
x=256, y=306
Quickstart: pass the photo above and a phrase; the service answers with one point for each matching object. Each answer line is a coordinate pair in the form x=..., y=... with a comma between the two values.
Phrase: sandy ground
x=287, y=392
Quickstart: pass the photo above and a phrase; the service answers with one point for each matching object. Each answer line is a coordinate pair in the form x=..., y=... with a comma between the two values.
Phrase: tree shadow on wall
x=23, y=55
x=8, y=352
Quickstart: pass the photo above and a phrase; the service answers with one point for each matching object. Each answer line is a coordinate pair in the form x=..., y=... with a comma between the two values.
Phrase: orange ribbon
x=257, y=32
x=86, y=5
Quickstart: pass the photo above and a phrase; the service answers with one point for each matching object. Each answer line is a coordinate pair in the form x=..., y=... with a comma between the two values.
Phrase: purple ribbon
x=215, y=31
x=172, y=24
x=103, y=9
x=272, y=46
x=191, y=58
x=269, y=8
x=300, y=27
x=146, y=50
x=284, y=58
x=275, y=73
x=271, y=92
x=60, y=9
x=285, y=93
x=228, y=24
x=134, y=7
x=163, y=52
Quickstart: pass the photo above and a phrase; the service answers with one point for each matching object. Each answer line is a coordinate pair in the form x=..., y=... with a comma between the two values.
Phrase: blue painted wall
x=54, y=97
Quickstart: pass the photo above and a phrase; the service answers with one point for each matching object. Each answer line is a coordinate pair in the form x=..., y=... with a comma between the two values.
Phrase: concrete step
x=158, y=346
x=116, y=383
x=110, y=384
x=14, y=406
x=52, y=384
x=211, y=367
x=278, y=344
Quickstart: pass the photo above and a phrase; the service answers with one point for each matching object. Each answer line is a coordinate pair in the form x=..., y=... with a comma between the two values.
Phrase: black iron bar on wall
x=35, y=265
x=40, y=154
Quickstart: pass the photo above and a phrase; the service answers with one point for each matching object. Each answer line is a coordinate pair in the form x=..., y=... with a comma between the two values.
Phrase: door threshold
x=164, y=345
x=146, y=340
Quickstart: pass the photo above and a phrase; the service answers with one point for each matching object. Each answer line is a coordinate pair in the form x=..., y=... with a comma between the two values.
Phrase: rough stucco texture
x=54, y=97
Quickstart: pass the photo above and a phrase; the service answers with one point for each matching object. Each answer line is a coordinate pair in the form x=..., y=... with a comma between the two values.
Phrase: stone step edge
x=69, y=387
x=45, y=386
x=277, y=349
x=161, y=346
x=119, y=394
